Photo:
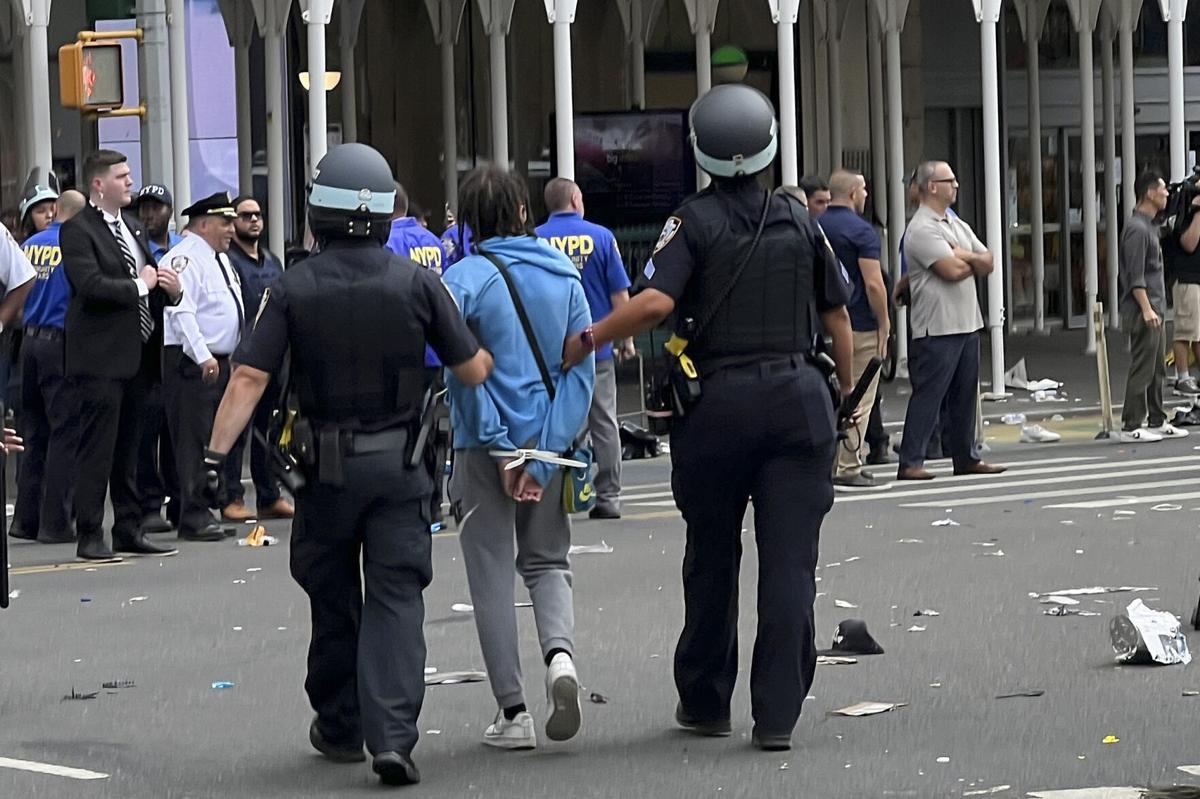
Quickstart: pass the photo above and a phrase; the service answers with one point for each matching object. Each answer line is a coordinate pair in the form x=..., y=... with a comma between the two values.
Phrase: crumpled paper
x=1145, y=635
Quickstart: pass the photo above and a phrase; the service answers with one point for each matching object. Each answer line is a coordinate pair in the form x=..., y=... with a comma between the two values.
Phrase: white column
x=702, y=14
x=561, y=13
x=1086, y=20
x=180, y=124
x=1128, y=21
x=497, y=17
x=239, y=27
x=37, y=17
x=1174, y=12
x=896, y=183
x=638, y=56
x=316, y=17
x=350, y=17
x=272, y=16
x=449, y=127
x=784, y=13
x=989, y=14
x=1111, y=223
x=879, y=180
x=154, y=80
x=834, y=22
x=1033, y=16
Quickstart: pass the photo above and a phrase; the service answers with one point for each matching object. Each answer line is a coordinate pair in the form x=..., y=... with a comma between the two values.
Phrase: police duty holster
x=683, y=378
x=289, y=442
x=423, y=445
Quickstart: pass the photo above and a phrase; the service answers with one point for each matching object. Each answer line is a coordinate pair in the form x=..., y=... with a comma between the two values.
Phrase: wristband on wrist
x=214, y=457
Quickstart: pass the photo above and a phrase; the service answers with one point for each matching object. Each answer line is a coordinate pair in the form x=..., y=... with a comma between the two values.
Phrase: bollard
x=1107, y=423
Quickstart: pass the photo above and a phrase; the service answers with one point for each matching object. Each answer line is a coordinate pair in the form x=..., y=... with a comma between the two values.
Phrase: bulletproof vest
x=768, y=312
x=357, y=346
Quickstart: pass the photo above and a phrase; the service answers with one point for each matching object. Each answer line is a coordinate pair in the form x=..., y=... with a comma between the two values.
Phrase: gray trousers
x=1147, y=371
x=606, y=436
x=542, y=535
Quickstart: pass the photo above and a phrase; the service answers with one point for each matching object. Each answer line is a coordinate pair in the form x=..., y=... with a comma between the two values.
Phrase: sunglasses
x=250, y=216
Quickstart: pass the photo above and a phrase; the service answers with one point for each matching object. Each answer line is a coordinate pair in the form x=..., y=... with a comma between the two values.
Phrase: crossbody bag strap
x=524, y=317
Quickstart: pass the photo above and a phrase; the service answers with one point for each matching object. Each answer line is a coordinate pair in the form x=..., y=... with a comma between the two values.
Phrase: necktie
x=237, y=300
x=146, y=322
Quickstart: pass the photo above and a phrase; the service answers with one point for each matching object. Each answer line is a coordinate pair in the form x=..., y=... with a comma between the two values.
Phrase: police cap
x=353, y=193
x=219, y=204
x=734, y=131
x=154, y=191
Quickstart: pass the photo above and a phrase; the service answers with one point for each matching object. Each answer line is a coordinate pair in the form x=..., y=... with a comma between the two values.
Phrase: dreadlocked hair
x=490, y=204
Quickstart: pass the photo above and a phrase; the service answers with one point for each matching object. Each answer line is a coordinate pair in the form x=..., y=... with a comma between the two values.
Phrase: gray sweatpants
x=542, y=536
x=606, y=436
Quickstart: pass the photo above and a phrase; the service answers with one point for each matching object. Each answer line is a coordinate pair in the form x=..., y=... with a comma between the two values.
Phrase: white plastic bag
x=1144, y=635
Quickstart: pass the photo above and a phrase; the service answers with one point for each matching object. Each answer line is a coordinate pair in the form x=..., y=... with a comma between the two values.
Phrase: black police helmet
x=352, y=194
x=734, y=132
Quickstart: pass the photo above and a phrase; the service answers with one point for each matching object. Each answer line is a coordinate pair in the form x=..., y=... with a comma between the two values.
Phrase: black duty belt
x=44, y=332
x=333, y=445
x=762, y=368
x=366, y=443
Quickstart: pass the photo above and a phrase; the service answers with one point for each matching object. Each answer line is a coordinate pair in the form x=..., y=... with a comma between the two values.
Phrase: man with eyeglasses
x=943, y=255
x=259, y=270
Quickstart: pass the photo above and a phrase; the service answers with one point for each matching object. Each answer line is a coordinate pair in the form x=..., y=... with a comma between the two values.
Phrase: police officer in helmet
x=356, y=318
x=749, y=279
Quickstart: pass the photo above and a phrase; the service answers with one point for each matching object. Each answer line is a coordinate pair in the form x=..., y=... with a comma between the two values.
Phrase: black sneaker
x=771, y=742
x=336, y=753
x=604, y=512
x=395, y=768
x=718, y=728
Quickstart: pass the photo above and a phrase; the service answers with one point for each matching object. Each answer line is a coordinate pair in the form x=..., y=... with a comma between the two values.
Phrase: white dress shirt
x=131, y=242
x=15, y=269
x=207, y=321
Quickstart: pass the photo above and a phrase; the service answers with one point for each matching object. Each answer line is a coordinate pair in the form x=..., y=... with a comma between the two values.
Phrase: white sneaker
x=1143, y=435
x=1036, y=434
x=515, y=734
x=562, y=692
x=1169, y=430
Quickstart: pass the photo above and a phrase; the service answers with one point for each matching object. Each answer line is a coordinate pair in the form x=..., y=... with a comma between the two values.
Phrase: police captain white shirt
x=205, y=322
x=15, y=269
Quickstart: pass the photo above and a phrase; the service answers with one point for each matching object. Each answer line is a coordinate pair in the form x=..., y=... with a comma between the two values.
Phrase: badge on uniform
x=180, y=263
x=669, y=230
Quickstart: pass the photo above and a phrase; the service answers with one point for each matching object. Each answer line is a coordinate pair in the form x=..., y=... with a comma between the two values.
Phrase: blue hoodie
x=512, y=408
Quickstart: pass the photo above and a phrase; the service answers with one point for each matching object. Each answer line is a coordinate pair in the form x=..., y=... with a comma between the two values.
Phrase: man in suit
x=111, y=346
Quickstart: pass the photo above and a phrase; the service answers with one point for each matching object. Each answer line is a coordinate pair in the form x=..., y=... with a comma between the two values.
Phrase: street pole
x=879, y=181
x=1128, y=19
x=158, y=163
x=273, y=63
x=1111, y=222
x=785, y=13
x=1087, y=168
x=896, y=186
x=1037, y=236
x=833, y=54
x=638, y=56
x=316, y=18
x=561, y=14
x=241, y=68
x=1177, y=10
x=990, y=16
x=180, y=139
x=499, y=79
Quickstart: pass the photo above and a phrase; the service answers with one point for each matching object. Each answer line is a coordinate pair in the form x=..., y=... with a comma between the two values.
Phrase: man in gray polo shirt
x=943, y=256
x=1143, y=303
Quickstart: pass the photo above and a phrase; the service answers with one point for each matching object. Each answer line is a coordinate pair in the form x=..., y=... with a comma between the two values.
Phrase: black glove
x=208, y=486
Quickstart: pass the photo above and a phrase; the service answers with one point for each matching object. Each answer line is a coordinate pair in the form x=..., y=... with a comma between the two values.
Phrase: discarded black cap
x=851, y=638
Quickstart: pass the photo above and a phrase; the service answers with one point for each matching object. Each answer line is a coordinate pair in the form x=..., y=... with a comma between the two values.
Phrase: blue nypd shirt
x=410, y=239
x=456, y=244
x=46, y=305
x=158, y=251
x=594, y=252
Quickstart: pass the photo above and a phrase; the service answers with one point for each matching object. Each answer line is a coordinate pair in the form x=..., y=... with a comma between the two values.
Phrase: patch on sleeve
x=669, y=230
x=180, y=262
x=649, y=270
x=262, y=306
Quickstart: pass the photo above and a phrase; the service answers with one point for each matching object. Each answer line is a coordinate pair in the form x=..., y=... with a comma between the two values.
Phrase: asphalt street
x=1068, y=515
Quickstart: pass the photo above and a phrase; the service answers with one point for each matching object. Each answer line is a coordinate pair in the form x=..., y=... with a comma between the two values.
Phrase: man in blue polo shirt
x=49, y=415
x=594, y=252
x=856, y=243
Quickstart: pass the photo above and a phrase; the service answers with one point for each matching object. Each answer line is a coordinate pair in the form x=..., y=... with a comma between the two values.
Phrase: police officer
x=48, y=410
x=408, y=237
x=751, y=264
x=199, y=335
x=357, y=319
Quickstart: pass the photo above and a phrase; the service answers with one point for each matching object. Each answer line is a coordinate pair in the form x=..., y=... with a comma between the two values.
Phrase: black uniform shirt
x=690, y=231
x=267, y=343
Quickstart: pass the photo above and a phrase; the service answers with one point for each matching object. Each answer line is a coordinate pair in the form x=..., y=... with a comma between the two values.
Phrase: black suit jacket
x=103, y=329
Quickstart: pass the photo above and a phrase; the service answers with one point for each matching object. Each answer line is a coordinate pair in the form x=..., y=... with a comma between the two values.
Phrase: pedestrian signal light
x=90, y=75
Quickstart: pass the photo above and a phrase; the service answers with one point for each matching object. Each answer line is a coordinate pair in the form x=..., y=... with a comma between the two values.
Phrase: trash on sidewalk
x=597, y=698
x=910, y=541
x=835, y=660
x=462, y=607
x=988, y=791
x=117, y=684
x=1194, y=770
x=1191, y=693
x=77, y=695
x=1058, y=417
x=455, y=677
x=222, y=684
x=983, y=543
x=1089, y=793
x=867, y=708
x=851, y=638
x=1058, y=600
x=841, y=603
x=258, y=538
x=1036, y=434
x=926, y=612
x=943, y=759
x=1097, y=589
x=1145, y=635
x=1063, y=610
x=1014, y=419
x=991, y=553
x=1166, y=506
x=591, y=549
x=1110, y=739
x=1015, y=694
x=945, y=523
x=137, y=599
x=1018, y=377
x=13, y=594
x=916, y=629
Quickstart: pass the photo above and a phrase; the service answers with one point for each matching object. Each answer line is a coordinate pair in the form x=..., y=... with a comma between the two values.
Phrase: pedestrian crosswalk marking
x=1124, y=488
x=1125, y=500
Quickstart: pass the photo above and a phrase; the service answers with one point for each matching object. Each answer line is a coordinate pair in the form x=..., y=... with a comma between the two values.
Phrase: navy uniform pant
x=761, y=434
x=944, y=371
x=366, y=661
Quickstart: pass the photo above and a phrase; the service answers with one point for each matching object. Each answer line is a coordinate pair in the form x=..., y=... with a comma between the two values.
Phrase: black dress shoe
x=61, y=537
x=604, y=512
x=137, y=545
x=336, y=753
x=771, y=742
x=395, y=768
x=19, y=532
x=156, y=524
x=878, y=457
x=211, y=532
x=718, y=728
x=94, y=548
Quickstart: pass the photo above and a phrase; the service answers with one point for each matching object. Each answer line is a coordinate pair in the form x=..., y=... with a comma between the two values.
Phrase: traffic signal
x=90, y=75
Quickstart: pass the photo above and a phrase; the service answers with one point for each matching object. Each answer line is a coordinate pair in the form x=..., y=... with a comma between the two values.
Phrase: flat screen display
x=634, y=167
